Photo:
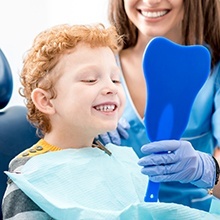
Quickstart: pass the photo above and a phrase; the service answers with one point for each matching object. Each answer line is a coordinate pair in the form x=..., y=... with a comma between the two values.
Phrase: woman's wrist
x=217, y=170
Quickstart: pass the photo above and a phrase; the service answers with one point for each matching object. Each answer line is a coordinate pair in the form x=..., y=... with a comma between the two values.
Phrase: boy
x=71, y=83
x=72, y=87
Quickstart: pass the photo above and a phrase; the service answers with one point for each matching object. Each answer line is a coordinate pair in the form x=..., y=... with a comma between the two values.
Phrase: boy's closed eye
x=116, y=81
x=94, y=80
x=89, y=80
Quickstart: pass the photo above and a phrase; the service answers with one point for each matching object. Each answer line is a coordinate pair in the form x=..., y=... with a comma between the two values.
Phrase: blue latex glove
x=173, y=160
x=116, y=135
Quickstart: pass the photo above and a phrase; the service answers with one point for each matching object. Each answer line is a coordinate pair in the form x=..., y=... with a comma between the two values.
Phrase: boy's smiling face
x=90, y=98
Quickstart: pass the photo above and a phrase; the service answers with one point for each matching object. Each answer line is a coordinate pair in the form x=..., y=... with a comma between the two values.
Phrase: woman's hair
x=201, y=24
x=44, y=55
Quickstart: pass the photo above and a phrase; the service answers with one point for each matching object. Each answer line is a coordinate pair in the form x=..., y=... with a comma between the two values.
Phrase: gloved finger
x=122, y=132
x=183, y=178
x=115, y=137
x=105, y=139
x=164, y=178
x=124, y=123
x=169, y=169
x=160, y=146
x=158, y=159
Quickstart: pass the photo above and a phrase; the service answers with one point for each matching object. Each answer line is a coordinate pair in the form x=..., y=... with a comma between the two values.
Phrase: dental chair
x=16, y=133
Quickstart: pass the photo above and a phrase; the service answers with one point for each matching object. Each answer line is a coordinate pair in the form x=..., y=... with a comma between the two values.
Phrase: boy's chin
x=110, y=129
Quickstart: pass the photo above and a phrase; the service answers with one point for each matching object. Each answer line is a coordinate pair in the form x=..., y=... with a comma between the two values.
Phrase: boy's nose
x=110, y=88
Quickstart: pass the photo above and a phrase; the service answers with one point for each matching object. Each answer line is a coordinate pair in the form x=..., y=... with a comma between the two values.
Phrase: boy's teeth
x=105, y=108
x=153, y=14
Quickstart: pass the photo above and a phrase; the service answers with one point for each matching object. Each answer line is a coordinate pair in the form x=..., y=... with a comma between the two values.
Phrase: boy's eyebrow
x=93, y=69
x=86, y=69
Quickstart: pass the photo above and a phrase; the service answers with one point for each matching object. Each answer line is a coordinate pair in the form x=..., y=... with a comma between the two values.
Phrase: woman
x=187, y=23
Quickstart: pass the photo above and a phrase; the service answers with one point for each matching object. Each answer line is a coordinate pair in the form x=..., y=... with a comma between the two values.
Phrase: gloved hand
x=116, y=135
x=173, y=160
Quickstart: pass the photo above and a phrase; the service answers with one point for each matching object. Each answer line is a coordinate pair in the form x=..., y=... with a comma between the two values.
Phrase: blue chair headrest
x=6, y=81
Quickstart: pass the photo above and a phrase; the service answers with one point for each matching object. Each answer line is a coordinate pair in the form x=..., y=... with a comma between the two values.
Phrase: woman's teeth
x=105, y=108
x=155, y=14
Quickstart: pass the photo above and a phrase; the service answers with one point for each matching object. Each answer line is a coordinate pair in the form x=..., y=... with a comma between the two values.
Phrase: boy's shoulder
x=32, y=151
x=41, y=147
x=24, y=156
x=38, y=148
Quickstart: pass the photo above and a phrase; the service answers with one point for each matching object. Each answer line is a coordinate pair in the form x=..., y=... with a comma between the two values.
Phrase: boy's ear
x=41, y=100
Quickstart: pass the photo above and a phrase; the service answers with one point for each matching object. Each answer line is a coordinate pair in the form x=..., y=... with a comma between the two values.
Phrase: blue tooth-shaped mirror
x=174, y=75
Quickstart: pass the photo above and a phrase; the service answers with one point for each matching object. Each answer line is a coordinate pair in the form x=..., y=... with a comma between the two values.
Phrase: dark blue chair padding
x=6, y=83
x=16, y=133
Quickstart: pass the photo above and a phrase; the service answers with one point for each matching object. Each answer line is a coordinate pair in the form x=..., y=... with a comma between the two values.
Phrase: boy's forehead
x=88, y=47
x=84, y=56
x=85, y=52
